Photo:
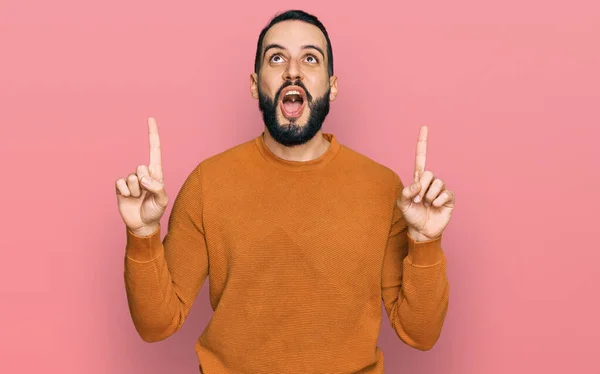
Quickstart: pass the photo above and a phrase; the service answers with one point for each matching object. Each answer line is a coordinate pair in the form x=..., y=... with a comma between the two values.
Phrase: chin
x=299, y=121
x=297, y=131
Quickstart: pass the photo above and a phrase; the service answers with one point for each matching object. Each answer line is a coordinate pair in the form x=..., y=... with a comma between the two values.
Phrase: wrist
x=145, y=231
x=417, y=236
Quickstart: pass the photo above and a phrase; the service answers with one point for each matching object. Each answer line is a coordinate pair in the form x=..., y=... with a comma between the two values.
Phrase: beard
x=292, y=134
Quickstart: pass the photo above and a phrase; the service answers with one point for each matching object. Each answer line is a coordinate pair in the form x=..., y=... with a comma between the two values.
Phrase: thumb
x=408, y=194
x=157, y=188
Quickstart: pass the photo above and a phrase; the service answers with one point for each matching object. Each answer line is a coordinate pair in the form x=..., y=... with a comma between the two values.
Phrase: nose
x=292, y=73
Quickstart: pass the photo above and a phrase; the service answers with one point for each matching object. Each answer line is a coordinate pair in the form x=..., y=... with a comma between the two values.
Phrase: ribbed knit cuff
x=425, y=253
x=143, y=248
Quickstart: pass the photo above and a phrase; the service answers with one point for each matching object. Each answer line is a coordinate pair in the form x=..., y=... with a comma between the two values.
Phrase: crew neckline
x=316, y=163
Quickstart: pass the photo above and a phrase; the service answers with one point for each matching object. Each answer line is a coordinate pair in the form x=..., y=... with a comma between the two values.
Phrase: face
x=293, y=86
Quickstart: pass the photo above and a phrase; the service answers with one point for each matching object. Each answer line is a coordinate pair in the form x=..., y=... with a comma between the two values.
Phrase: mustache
x=294, y=83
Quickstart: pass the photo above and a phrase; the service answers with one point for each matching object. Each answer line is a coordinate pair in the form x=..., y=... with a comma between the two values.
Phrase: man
x=302, y=237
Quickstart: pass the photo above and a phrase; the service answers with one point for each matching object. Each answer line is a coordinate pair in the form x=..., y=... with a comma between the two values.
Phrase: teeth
x=293, y=93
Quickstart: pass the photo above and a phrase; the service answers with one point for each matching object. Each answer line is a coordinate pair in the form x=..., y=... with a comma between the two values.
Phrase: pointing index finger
x=421, y=154
x=155, y=157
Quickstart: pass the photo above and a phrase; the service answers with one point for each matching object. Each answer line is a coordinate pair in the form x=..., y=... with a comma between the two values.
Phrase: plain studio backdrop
x=509, y=90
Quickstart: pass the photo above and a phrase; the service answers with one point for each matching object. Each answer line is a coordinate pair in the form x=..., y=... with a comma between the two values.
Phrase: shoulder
x=221, y=165
x=365, y=167
x=226, y=161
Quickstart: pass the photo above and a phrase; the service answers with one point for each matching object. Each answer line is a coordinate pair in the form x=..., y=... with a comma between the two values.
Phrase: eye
x=274, y=57
x=311, y=59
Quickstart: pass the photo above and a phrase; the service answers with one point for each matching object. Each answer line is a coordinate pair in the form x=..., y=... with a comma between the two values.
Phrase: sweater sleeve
x=415, y=286
x=162, y=279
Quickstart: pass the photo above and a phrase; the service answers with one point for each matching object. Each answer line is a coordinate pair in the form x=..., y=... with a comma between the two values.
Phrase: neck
x=310, y=150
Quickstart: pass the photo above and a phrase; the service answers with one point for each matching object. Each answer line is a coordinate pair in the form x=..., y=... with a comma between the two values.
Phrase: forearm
x=155, y=308
x=420, y=310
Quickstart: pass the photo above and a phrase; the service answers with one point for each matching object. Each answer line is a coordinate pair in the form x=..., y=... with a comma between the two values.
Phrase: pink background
x=509, y=90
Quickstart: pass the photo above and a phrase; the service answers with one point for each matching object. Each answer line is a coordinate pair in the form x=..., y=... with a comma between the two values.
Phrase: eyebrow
x=279, y=46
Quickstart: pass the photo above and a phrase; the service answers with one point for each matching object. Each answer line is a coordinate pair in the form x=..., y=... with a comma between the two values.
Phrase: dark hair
x=293, y=15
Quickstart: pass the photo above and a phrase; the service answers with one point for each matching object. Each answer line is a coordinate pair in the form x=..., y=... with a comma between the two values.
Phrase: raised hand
x=426, y=204
x=141, y=196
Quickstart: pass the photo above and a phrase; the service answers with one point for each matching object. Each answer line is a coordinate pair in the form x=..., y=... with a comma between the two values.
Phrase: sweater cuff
x=143, y=248
x=425, y=253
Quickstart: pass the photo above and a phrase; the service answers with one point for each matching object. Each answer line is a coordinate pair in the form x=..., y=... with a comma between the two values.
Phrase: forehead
x=295, y=34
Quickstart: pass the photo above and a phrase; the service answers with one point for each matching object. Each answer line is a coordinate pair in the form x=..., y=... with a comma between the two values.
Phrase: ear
x=254, y=85
x=333, y=87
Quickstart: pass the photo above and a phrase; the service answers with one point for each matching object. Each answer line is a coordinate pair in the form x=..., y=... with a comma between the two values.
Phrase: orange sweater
x=300, y=256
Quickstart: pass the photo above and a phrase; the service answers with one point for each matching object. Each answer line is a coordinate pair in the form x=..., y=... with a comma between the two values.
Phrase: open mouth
x=293, y=102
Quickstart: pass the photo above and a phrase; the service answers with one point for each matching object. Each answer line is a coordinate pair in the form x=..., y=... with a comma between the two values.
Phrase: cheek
x=269, y=86
x=317, y=87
